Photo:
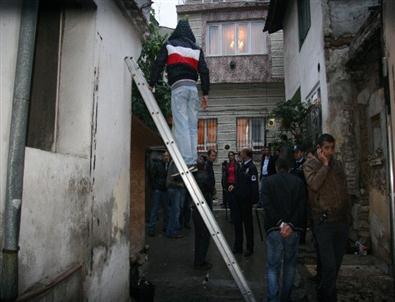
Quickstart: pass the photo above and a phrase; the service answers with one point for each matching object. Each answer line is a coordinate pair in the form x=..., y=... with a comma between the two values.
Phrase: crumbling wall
x=357, y=117
x=342, y=20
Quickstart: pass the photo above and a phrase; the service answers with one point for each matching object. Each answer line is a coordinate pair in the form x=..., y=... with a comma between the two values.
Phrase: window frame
x=206, y=145
x=250, y=138
x=236, y=32
x=303, y=7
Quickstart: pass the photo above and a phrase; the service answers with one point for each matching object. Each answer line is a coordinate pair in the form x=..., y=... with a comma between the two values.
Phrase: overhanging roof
x=274, y=21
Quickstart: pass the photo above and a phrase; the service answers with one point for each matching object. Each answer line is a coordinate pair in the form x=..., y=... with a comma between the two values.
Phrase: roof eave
x=275, y=15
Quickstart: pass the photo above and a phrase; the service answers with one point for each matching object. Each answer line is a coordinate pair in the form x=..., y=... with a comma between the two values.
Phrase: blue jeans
x=176, y=199
x=158, y=198
x=281, y=251
x=185, y=109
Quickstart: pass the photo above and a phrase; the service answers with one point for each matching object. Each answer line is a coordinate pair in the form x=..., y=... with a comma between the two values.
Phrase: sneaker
x=204, y=266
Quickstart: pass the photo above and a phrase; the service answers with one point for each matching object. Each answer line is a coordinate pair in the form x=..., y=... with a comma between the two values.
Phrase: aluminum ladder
x=189, y=180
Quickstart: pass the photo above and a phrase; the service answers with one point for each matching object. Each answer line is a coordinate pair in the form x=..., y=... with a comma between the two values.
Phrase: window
x=41, y=131
x=207, y=134
x=251, y=133
x=243, y=38
x=304, y=19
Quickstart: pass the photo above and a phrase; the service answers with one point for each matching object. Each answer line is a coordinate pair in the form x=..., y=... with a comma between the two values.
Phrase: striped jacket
x=184, y=60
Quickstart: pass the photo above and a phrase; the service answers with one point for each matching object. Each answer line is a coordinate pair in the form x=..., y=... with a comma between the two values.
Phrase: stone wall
x=342, y=21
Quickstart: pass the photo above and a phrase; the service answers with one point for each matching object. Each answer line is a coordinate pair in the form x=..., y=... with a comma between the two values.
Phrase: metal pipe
x=391, y=190
x=16, y=150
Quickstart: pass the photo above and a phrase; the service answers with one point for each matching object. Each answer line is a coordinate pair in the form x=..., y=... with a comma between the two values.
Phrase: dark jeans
x=202, y=238
x=283, y=252
x=159, y=199
x=332, y=243
x=176, y=198
x=241, y=211
x=185, y=215
x=263, y=183
x=230, y=202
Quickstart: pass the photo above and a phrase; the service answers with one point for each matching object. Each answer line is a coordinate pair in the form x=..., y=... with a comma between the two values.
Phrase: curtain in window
x=201, y=132
x=207, y=134
x=228, y=37
x=214, y=40
x=242, y=133
x=258, y=133
x=242, y=38
x=211, y=134
x=258, y=38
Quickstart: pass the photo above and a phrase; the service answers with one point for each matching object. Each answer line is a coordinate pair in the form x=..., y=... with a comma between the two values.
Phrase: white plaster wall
x=9, y=34
x=76, y=78
x=301, y=64
x=55, y=215
x=109, y=280
x=73, y=211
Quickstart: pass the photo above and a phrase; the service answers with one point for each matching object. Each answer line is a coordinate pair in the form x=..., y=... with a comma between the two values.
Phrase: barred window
x=207, y=134
x=250, y=133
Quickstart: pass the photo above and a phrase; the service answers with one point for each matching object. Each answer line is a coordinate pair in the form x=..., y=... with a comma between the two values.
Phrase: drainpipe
x=16, y=151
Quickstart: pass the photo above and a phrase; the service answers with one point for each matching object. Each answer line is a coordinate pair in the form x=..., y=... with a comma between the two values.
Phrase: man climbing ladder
x=189, y=180
x=184, y=61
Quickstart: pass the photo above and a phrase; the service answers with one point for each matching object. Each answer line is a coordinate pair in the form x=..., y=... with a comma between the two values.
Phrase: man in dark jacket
x=267, y=163
x=158, y=174
x=185, y=62
x=268, y=167
x=211, y=157
x=285, y=196
x=331, y=212
x=202, y=235
x=247, y=194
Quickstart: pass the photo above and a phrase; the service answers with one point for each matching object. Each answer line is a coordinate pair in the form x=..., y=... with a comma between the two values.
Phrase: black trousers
x=230, y=200
x=332, y=244
x=185, y=214
x=202, y=235
x=241, y=211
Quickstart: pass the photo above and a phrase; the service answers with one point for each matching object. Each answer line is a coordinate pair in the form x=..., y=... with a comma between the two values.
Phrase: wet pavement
x=170, y=269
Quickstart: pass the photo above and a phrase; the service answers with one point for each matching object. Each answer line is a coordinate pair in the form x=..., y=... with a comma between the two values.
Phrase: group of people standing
x=170, y=194
x=298, y=187
x=315, y=187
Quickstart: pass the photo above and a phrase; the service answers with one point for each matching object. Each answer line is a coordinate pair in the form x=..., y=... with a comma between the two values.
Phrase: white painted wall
x=76, y=200
x=111, y=190
x=301, y=64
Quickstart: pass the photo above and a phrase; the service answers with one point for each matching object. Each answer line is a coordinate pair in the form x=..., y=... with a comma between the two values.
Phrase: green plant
x=150, y=49
x=292, y=115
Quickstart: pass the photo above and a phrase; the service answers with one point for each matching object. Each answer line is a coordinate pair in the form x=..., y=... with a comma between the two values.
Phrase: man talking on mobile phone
x=331, y=212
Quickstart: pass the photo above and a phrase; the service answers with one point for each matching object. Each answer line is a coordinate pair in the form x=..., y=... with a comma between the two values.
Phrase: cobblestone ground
x=170, y=269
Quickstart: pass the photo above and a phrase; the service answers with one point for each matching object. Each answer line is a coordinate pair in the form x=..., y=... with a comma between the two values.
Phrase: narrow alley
x=170, y=269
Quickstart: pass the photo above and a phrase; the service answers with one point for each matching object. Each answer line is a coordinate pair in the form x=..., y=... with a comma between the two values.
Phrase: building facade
x=246, y=75
x=74, y=232
x=332, y=57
